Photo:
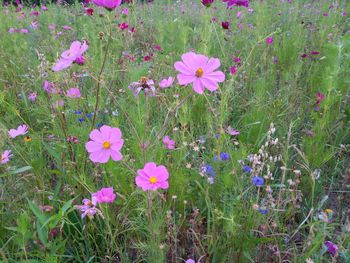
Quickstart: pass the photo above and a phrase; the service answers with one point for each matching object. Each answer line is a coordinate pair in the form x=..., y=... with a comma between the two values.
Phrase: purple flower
x=224, y=156
x=230, y=3
x=269, y=40
x=145, y=84
x=258, y=181
x=225, y=24
x=331, y=248
x=32, y=96
x=207, y=3
x=247, y=169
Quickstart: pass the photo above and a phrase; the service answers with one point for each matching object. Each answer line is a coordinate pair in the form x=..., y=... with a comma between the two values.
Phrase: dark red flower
x=225, y=24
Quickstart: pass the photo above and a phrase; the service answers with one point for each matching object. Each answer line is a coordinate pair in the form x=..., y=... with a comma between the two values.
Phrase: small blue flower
x=78, y=112
x=89, y=115
x=208, y=170
x=263, y=211
x=216, y=135
x=224, y=156
x=247, y=169
x=81, y=119
x=215, y=158
x=258, y=181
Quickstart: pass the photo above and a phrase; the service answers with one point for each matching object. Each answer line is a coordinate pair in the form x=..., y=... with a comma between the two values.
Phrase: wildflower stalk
x=100, y=74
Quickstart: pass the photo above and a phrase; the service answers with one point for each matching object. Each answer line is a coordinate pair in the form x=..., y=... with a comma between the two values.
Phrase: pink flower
x=32, y=96
x=319, y=98
x=21, y=130
x=89, y=11
x=237, y=60
x=232, y=131
x=166, y=83
x=52, y=27
x=145, y=84
x=125, y=11
x=51, y=87
x=239, y=14
x=123, y=26
x=89, y=208
x=24, y=31
x=168, y=143
x=225, y=24
x=331, y=248
x=108, y=4
x=190, y=261
x=233, y=70
x=152, y=177
x=105, y=195
x=105, y=143
x=73, y=93
x=269, y=40
x=5, y=156
x=147, y=58
x=199, y=70
x=44, y=8
x=70, y=56
x=230, y=3
x=67, y=27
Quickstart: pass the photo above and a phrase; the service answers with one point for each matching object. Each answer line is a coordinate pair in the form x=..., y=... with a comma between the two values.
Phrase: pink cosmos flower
x=44, y=8
x=73, y=93
x=125, y=11
x=166, y=83
x=123, y=26
x=230, y=3
x=70, y=56
x=105, y=143
x=199, y=70
x=152, y=177
x=89, y=208
x=108, y=4
x=21, y=130
x=51, y=87
x=24, y=31
x=105, y=195
x=168, y=143
x=269, y=40
x=5, y=156
x=32, y=96
x=239, y=14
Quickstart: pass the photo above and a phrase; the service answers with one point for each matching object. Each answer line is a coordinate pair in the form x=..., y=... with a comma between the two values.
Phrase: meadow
x=175, y=131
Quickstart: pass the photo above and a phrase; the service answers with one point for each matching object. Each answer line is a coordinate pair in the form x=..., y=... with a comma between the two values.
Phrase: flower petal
x=198, y=86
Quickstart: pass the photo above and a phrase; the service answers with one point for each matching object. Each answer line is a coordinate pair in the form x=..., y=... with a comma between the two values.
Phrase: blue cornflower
x=247, y=169
x=208, y=170
x=89, y=115
x=258, y=181
x=78, y=112
x=224, y=156
x=216, y=135
x=263, y=211
x=81, y=119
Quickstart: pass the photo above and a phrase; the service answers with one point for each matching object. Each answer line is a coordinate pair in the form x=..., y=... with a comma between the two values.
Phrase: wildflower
x=73, y=93
x=231, y=3
x=331, y=248
x=105, y=195
x=123, y=26
x=66, y=27
x=232, y=131
x=145, y=84
x=21, y=130
x=269, y=40
x=225, y=24
x=263, y=211
x=32, y=96
x=147, y=58
x=27, y=139
x=207, y=3
x=304, y=55
x=275, y=60
x=70, y=56
x=247, y=169
x=314, y=53
x=166, y=83
x=319, y=98
x=89, y=208
x=152, y=177
x=44, y=8
x=233, y=70
x=105, y=143
x=5, y=156
x=46, y=208
x=168, y=143
x=52, y=27
x=72, y=139
x=51, y=87
x=237, y=60
x=89, y=11
x=239, y=14
x=190, y=261
x=24, y=31
x=125, y=11
x=108, y=4
x=199, y=70
x=258, y=181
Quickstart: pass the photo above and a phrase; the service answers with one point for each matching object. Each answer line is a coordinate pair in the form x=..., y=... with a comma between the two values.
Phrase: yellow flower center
x=27, y=139
x=106, y=145
x=199, y=72
x=328, y=211
x=153, y=180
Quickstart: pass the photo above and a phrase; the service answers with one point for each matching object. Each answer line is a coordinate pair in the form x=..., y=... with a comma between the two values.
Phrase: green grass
x=216, y=222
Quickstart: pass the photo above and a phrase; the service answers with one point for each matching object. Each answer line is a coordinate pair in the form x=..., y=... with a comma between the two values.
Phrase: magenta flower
x=123, y=26
x=168, y=143
x=225, y=24
x=269, y=40
x=32, y=96
x=89, y=208
x=108, y=4
x=70, y=56
x=145, y=84
x=230, y=3
x=152, y=177
x=105, y=195
x=51, y=87
x=21, y=130
x=331, y=248
x=190, y=261
x=5, y=156
x=319, y=98
x=207, y=3
x=44, y=8
x=199, y=70
x=73, y=93
x=125, y=11
x=233, y=70
x=166, y=83
x=65, y=27
x=105, y=143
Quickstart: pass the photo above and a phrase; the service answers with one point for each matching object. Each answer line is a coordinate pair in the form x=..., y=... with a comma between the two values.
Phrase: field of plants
x=162, y=131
